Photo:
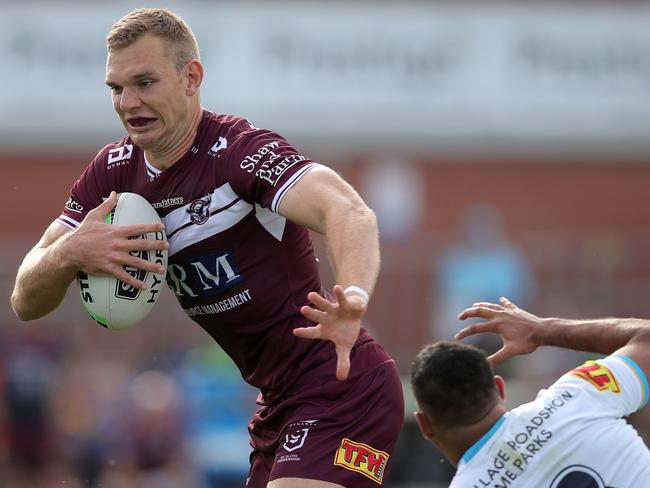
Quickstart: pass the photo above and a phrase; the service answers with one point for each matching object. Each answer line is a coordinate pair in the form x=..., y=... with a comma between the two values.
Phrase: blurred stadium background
x=505, y=147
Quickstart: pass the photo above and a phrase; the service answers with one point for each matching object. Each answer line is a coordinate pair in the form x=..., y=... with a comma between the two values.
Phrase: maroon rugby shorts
x=337, y=431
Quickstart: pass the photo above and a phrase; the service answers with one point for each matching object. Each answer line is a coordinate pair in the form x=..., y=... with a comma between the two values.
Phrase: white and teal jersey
x=572, y=435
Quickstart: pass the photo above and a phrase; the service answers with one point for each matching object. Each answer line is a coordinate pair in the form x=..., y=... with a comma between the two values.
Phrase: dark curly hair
x=453, y=383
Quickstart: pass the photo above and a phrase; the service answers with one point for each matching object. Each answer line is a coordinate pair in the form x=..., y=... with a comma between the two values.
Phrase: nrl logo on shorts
x=199, y=210
x=295, y=439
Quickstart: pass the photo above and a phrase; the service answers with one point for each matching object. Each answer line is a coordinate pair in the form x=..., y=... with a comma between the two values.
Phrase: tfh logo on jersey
x=199, y=210
x=119, y=155
x=598, y=375
x=206, y=275
x=363, y=459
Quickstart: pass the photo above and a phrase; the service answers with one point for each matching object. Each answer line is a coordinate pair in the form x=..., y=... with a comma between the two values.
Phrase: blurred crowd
x=76, y=415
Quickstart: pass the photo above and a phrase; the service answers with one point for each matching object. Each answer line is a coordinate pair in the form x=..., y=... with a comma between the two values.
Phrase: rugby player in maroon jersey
x=236, y=202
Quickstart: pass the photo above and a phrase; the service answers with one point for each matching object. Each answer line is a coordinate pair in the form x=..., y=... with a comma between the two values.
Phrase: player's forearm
x=353, y=245
x=41, y=283
x=594, y=335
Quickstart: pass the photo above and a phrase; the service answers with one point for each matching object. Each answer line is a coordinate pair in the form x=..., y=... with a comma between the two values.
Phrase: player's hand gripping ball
x=111, y=302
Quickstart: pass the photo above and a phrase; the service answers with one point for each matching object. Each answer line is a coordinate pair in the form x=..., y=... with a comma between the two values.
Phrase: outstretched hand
x=515, y=326
x=98, y=248
x=338, y=321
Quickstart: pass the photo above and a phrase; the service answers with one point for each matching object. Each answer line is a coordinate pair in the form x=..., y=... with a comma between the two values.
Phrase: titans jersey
x=572, y=435
x=236, y=266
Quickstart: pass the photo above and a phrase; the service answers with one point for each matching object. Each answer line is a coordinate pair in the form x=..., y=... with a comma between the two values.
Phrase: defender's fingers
x=481, y=312
x=308, y=332
x=474, y=329
x=498, y=357
x=490, y=305
x=507, y=303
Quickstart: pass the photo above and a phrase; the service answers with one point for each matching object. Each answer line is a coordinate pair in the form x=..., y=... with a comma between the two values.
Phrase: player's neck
x=458, y=440
x=166, y=157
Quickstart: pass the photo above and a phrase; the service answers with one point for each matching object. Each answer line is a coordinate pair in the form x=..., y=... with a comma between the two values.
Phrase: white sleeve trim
x=288, y=185
x=68, y=222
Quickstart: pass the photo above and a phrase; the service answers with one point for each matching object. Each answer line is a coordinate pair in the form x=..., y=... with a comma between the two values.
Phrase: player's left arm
x=323, y=202
x=523, y=332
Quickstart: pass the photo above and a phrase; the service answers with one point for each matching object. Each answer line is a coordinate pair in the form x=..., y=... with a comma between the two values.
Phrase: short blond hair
x=162, y=23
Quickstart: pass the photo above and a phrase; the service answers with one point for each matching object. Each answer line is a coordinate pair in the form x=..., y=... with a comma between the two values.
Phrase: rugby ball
x=110, y=302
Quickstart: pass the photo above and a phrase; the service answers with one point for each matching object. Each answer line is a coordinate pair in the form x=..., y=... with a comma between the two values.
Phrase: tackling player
x=572, y=435
x=237, y=202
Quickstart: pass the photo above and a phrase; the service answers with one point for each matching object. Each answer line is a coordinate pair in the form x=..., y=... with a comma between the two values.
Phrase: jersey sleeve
x=264, y=166
x=86, y=193
x=614, y=385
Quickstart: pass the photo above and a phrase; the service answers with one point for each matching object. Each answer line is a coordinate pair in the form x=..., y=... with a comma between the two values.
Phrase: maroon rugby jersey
x=237, y=267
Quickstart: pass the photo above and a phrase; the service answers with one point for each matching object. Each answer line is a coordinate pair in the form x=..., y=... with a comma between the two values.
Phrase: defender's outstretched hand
x=515, y=326
x=338, y=321
x=101, y=249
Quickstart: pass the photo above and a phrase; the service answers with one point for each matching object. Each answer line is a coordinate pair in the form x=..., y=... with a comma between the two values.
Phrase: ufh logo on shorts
x=362, y=458
x=598, y=375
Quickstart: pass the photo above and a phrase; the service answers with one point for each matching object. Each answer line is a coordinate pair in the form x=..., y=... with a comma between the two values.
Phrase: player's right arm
x=523, y=332
x=94, y=247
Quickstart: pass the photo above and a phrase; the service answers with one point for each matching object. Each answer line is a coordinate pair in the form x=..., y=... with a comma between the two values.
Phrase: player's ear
x=194, y=75
x=501, y=386
x=424, y=423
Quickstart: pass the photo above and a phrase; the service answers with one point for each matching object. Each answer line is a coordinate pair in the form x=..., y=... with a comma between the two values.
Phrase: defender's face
x=149, y=95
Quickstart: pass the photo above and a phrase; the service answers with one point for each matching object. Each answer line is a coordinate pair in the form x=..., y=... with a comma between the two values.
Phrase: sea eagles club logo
x=199, y=210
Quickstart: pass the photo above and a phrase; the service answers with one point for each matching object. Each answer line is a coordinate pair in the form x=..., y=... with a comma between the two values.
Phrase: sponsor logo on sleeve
x=268, y=165
x=598, y=375
x=362, y=458
x=74, y=206
x=272, y=173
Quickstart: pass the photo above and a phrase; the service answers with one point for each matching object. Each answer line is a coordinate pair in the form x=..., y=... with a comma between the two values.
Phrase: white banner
x=351, y=75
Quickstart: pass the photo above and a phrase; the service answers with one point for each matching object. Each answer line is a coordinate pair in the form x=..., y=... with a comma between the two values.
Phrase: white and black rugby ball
x=111, y=302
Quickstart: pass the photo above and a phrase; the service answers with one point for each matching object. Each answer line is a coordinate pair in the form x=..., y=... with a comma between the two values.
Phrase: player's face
x=149, y=95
